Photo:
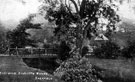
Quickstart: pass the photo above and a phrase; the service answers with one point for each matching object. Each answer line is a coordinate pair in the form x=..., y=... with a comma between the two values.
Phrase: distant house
x=101, y=37
x=28, y=47
x=98, y=40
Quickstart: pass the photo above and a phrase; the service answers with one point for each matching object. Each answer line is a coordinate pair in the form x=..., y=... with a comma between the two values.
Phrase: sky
x=12, y=11
x=127, y=10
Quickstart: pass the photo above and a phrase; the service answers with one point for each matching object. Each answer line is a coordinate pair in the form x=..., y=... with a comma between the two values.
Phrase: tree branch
x=68, y=8
x=79, y=3
x=76, y=7
x=82, y=8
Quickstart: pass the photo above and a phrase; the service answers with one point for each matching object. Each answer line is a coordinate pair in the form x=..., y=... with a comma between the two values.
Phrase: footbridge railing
x=32, y=52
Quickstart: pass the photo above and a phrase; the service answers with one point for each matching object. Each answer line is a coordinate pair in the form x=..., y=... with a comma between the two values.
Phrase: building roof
x=101, y=37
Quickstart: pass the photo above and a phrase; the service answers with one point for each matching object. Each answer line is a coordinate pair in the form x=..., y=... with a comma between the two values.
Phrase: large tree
x=79, y=20
x=19, y=37
x=76, y=22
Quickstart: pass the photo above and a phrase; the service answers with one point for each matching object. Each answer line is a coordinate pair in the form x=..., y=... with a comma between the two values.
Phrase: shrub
x=107, y=50
x=84, y=50
x=76, y=70
x=46, y=45
x=129, y=52
x=64, y=50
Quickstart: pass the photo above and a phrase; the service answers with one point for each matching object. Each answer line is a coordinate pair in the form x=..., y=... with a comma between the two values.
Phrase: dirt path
x=13, y=69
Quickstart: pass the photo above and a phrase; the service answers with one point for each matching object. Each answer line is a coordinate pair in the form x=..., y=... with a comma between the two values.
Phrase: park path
x=20, y=72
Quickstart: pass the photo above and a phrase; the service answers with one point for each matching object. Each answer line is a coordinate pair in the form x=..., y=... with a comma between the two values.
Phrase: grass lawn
x=13, y=69
x=116, y=70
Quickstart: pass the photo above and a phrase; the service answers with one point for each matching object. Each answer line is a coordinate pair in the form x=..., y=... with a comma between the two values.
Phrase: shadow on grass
x=48, y=65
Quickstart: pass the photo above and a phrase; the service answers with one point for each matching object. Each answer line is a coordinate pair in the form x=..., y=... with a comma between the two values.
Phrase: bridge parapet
x=32, y=52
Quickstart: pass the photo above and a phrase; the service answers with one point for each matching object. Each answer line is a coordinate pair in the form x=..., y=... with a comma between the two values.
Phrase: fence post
x=17, y=51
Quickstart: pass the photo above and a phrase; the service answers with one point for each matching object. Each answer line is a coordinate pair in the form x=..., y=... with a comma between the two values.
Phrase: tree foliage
x=78, y=20
x=63, y=51
x=3, y=40
x=19, y=37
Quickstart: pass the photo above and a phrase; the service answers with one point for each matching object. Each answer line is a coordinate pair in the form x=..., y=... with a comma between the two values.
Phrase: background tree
x=108, y=50
x=129, y=51
x=3, y=40
x=19, y=37
x=77, y=20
